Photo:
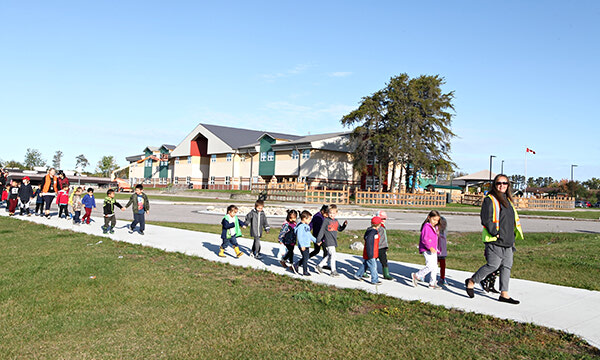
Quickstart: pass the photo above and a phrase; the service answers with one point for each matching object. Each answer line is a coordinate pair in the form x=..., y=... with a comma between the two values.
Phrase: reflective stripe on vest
x=496, y=220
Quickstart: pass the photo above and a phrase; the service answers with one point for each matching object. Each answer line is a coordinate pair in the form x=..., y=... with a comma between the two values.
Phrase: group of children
x=301, y=229
x=21, y=194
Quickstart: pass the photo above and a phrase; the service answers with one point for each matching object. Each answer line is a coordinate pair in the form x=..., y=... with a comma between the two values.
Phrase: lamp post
x=491, y=157
x=572, y=166
x=502, y=168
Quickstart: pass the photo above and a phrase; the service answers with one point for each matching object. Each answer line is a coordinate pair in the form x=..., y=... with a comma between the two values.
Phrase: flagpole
x=525, y=189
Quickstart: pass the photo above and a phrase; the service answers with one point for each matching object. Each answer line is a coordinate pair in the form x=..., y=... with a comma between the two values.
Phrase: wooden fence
x=429, y=200
x=545, y=203
x=472, y=199
x=328, y=196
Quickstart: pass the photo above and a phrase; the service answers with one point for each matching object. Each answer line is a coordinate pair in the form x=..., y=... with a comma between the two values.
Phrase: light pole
x=502, y=168
x=572, y=166
x=491, y=157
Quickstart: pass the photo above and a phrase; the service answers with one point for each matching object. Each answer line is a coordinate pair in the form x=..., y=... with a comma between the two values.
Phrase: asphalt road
x=398, y=220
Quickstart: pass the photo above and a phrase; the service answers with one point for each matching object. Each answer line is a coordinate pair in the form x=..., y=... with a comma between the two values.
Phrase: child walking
x=257, y=220
x=231, y=230
x=443, y=249
x=383, y=246
x=109, y=212
x=428, y=246
x=328, y=235
x=62, y=200
x=370, y=252
x=89, y=203
x=13, y=197
x=304, y=238
x=77, y=205
x=25, y=196
x=287, y=238
x=140, y=209
x=39, y=202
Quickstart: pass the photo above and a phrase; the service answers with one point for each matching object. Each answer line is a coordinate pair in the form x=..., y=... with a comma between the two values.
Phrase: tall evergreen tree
x=57, y=159
x=407, y=123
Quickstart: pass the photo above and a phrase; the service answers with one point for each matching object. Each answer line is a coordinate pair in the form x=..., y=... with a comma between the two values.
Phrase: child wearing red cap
x=383, y=246
x=25, y=196
x=370, y=252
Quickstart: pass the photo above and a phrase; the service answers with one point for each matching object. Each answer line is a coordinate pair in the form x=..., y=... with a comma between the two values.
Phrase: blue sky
x=109, y=78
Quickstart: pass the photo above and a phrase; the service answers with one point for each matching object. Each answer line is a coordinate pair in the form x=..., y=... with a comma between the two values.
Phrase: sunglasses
x=501, y=183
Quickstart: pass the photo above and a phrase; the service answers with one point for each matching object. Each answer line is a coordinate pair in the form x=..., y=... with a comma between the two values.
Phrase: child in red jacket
x=370, y=252
x=62, y=199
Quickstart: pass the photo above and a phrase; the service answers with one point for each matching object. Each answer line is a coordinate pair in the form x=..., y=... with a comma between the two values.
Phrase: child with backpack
x=287, y=237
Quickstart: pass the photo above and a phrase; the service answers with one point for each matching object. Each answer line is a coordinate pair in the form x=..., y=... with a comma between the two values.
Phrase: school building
x=222, y=157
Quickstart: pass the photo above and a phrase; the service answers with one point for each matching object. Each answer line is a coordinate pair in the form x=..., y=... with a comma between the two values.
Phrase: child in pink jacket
x=428, y=246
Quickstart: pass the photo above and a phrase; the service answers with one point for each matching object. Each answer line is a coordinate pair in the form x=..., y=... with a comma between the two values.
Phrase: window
x=227, y=180
x=242, y=158
x=229, y=157
x=188, y=180
x=263, y=156
x=295, y=154
x=149, y=163
x=212, y=180
x=270, y=156
x=189, y=159
x=305, y=154
x=176, y=160
x=213, y=158
x=176, y=181
x=164, y=163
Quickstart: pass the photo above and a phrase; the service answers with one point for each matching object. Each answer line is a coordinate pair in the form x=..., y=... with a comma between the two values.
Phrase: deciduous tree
x=33, y=158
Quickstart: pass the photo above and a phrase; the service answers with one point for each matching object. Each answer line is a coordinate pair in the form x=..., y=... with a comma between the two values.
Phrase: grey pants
x=497, y=257
x=256, y=245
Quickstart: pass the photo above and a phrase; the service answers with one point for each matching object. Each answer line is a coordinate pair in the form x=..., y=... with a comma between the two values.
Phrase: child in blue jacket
x=232, y=229
x=304, y=238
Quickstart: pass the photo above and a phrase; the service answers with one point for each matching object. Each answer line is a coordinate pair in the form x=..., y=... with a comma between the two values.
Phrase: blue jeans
x=139, y=218
x=370, y=264
x=232, y=241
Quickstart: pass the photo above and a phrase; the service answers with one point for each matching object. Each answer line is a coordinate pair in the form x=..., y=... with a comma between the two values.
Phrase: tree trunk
x=393, y=182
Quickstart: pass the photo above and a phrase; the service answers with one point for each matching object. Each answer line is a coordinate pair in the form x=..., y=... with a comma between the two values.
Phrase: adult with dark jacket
x=501, y=227
x=49, y=188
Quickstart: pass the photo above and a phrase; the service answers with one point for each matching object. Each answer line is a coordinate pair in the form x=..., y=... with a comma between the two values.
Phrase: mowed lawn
x=555, y=258
x=147, y=304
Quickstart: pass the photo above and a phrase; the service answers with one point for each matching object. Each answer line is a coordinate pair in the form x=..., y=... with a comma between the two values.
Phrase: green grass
x=555, y=258
x=218, y=191
x=150, y=304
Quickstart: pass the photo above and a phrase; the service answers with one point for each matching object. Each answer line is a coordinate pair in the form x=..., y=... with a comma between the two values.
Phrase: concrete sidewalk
x=573, y=310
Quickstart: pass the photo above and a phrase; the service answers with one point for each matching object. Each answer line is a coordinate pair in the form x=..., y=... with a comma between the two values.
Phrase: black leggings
x=63, y=209
x=317, y=249
x=290, y=253
x=39, y=207
x=383, y=257
x=48, y=201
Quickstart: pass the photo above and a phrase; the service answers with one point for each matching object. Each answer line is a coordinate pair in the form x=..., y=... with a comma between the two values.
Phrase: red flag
x=531, y=151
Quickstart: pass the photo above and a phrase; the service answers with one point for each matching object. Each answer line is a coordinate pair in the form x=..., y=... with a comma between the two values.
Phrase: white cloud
x=340, y=74
x=296, y=70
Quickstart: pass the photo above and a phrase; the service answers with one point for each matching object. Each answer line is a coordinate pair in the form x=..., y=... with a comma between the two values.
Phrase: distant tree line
x=33, y=158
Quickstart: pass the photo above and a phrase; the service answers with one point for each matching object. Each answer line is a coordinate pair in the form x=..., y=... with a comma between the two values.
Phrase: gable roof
x=236, y=138
x=331, y=141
